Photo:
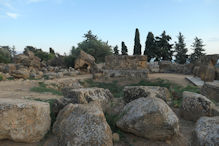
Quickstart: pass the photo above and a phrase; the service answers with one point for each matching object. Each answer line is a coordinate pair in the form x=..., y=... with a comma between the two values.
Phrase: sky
x=61, y=24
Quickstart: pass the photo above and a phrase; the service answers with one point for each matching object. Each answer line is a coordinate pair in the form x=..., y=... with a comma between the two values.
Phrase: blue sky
x=60, y=24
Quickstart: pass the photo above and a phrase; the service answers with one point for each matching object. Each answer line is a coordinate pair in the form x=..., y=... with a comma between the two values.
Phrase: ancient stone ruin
x=205, y=68
x=126, y=66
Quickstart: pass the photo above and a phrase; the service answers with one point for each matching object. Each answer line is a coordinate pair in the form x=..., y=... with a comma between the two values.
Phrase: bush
x=5, y=55
x=1, y=77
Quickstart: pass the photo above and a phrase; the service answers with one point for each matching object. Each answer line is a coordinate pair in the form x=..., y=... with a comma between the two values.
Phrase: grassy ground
x=43, y=89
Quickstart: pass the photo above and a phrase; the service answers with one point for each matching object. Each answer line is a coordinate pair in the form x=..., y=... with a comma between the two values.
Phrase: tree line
x=159, y=48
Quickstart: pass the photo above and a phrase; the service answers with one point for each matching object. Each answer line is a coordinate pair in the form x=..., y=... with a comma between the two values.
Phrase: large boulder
x=149, y=117
x=22, y=73
x=24, y=120
x=211, y=90
x=134, y=92
x=207, y=73
x=206, y=132
x=82, y=124
x=86, y=95
x=195, y=106
x=28, y=59
x=85, y=62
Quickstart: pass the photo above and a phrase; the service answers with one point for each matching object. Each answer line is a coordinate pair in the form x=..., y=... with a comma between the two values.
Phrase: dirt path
x=21, y=88
x=175, y=78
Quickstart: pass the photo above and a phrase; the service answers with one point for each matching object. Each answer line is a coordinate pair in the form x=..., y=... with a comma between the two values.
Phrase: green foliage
x=5, y=54
x=181, y=50
x=198, y=50
x=150, y=46
x=116, y=50
x=70, y=60
x=124, y=50
x=95, y=47
x=164, y=47
x=1, y=77
x=43, y=89
x=137, y=46
x=44, y=56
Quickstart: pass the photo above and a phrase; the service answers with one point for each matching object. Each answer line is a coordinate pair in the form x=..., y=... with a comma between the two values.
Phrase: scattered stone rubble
x=28, y=66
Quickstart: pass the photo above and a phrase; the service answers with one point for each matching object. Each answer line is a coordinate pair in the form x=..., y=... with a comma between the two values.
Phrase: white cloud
x=12, y=15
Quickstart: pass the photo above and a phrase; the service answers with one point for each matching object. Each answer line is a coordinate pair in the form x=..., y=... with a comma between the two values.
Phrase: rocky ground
x=17, y=89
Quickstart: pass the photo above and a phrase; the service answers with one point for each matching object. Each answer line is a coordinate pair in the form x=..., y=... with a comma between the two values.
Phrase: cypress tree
x=124, y=49
x=137, y=46
x=150, y=46
x=116, y=51
x=181, y=50
x=198, y=50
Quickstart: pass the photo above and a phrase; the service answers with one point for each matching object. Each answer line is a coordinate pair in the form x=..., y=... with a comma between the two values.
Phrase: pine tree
x=198, y=50
x=164, y=51
x=181, y=50
x=150, y=46
x=116, y=51
x=124, y=49
x=137, y=46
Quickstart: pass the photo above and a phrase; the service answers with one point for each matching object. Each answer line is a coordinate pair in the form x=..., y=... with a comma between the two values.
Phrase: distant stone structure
x=126, y=66
x=125, y=62
x=205, y=68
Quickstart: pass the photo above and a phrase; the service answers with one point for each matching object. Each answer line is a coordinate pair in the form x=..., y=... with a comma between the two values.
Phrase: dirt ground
x=21, y=89
x=175, y=78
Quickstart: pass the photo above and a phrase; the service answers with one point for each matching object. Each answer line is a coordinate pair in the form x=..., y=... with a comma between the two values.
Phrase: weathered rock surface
x=28, y=59
x=125, y=62
x=22, y=73
x=24, y=120
x=149, y=117
x=195, y=106
x=207, y=73
x=211, y=90
x=85, y=62
x=134, y=92
x=82, y=124
x=9, y=68
x=206, y=132
x=86, y=95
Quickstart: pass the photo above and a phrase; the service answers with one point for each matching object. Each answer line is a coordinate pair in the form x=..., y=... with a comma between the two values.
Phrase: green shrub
x=1, y=77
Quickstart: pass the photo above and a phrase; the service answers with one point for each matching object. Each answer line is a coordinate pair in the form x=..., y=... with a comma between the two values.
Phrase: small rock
x=115, y=137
